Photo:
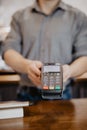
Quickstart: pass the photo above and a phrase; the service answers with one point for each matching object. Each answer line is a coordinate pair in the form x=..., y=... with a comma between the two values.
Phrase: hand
x=34, y=72
x=66, y=72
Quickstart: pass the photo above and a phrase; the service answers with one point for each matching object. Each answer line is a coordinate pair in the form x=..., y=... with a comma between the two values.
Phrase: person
x=49, y=31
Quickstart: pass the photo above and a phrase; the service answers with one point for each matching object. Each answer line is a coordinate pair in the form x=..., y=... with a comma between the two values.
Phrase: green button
x=57, y=87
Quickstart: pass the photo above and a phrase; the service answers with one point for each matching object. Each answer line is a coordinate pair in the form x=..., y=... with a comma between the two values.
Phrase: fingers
x=66, y=72
x=37, y=68
x=36, y=80
x=34, y=72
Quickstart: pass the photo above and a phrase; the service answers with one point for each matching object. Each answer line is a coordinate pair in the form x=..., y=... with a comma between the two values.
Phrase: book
x=12, y=109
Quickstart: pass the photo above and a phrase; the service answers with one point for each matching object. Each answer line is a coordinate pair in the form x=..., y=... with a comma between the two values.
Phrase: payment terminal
x=52, y=81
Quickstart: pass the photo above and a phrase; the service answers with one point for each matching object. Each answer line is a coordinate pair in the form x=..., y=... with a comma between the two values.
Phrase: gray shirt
x=58, y=37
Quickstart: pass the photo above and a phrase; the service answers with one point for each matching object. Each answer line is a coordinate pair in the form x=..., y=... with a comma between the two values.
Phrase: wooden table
x=51, y=115
x=9, y=78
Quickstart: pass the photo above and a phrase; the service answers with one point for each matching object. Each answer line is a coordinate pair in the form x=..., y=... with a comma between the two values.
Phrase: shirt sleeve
x=13, y=40
x=80, y=41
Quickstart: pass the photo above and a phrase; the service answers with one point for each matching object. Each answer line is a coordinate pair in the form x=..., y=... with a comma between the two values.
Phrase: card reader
x=52, y=81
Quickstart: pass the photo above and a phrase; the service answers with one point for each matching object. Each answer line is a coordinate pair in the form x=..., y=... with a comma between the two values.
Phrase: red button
x=45, y=87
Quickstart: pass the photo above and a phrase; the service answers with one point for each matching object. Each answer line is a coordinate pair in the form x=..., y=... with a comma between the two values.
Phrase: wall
x=80, y=4
x=8, y=7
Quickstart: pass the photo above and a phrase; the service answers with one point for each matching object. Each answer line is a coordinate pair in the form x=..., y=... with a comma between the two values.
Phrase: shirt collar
x=61, y=5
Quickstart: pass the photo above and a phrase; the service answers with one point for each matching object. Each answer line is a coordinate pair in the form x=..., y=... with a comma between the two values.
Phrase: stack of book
x=12, y=109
